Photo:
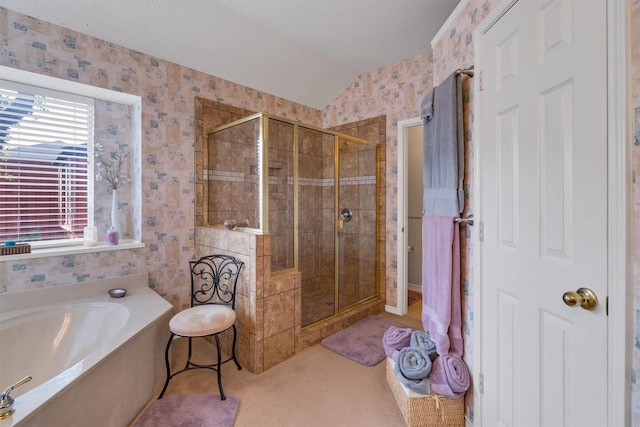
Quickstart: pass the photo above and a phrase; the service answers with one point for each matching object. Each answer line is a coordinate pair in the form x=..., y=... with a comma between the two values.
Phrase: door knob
x=583, y=297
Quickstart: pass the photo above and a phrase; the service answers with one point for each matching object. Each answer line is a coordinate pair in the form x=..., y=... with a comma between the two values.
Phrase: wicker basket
x=19, y=248
x=421, y=410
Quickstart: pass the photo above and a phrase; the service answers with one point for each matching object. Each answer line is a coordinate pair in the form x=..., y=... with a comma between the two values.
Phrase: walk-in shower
x=314, y=192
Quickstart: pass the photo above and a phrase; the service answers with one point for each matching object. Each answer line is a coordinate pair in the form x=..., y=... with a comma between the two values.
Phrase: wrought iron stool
x=213, y=298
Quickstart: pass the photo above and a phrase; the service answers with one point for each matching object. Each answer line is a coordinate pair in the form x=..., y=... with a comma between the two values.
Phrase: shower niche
x=315, y=193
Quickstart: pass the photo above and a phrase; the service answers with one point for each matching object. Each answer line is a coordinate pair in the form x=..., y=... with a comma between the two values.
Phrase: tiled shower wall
x=369, y=203
x=357, y=239
x=281, y=213
x=268, y=305
x=316, y=219
x=232, y=175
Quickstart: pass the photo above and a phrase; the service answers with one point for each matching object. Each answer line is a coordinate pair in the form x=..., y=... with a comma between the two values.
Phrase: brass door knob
x=583, y=297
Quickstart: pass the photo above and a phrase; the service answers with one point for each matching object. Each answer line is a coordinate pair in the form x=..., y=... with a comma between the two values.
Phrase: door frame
x=619, y=215
x=402, y=285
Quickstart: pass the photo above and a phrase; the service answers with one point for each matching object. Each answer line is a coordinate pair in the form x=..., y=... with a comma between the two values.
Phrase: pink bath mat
x=189, y=410
x=362, y=341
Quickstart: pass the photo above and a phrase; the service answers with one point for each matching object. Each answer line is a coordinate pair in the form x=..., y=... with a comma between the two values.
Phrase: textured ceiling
x=306, y=51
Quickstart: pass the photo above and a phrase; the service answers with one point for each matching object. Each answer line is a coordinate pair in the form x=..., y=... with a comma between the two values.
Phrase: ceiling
x=307, y=51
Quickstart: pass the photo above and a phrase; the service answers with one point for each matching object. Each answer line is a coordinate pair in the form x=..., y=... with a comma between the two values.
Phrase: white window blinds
x=45, y=136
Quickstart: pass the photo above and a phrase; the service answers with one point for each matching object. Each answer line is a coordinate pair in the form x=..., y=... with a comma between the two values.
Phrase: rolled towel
x=414, y=363
x=412, y=369
x=450, y=376
x=395, y=339
x=423, y=340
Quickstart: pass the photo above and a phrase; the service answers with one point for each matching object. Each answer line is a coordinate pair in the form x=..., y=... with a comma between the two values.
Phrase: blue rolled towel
x=413, y=368
x=414, y=363
x=423, y=340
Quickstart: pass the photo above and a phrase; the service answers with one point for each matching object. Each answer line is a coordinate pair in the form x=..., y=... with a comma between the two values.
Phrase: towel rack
x=467, y=221
x=468, y=71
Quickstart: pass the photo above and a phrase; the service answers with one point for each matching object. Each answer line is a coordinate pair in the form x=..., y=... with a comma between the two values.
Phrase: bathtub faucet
x=6, y=401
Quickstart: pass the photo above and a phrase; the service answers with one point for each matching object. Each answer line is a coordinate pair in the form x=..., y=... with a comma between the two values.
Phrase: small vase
x=115, y=211
x=112, y=237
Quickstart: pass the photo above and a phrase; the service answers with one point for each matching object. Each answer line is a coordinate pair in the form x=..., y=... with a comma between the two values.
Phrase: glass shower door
x=316, y=224
x=356, y=222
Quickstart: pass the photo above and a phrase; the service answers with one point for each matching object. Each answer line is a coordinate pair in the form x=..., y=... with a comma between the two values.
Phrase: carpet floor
x=316, y=387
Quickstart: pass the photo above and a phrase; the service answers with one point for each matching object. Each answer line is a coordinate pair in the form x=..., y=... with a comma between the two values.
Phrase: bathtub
x=95, y=360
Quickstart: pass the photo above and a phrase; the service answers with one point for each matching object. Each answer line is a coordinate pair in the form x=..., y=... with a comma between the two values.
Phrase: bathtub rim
x=145, y=306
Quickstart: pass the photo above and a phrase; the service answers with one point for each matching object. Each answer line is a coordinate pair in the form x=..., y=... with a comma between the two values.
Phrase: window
x=45, y=139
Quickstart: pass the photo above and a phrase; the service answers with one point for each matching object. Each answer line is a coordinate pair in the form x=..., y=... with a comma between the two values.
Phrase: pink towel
x=449, y=376
x=395, y=339
x=441, y=310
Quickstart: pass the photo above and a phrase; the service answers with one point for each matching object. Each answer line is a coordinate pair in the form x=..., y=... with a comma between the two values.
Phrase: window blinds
x=44, y=139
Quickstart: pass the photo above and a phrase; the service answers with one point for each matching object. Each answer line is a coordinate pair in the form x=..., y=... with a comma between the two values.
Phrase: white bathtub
x=95, y=360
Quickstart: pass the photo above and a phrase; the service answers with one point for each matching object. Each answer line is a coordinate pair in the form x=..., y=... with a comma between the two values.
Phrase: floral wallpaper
x=167, y=194
x=396, y=91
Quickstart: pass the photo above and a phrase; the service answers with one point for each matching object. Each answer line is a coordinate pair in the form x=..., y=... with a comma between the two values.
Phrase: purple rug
x=189, y=410
x=362, y=341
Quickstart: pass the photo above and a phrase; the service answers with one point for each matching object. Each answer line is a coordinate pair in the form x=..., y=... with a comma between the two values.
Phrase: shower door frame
x=338, y=224
x=263, y=195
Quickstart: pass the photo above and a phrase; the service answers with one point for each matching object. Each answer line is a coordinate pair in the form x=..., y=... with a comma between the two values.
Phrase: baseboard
x=391, y=309
x=467, y=422
x=415, y=288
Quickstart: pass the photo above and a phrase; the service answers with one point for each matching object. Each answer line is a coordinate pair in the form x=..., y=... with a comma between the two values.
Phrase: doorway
x=409, y=233
x=414, y=192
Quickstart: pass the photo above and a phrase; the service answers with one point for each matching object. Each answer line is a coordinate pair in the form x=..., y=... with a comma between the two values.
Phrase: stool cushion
x=202, y=320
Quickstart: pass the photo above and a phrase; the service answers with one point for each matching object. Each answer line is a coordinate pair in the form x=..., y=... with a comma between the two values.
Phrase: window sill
x=73, y=250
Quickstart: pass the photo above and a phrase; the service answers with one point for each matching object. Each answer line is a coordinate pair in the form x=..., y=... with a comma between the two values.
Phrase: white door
x=542, y=173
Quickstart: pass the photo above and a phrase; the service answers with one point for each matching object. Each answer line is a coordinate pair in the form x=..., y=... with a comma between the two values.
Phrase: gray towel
x=422, y=339
x=426, y=109
x=420, y=381
x=443, y=143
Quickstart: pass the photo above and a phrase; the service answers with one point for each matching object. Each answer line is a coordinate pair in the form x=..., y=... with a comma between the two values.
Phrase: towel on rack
x=421, y=339
x=450, y=376
x=443, y=146
x=441, y=299
x=426, y=108
x=395, y=339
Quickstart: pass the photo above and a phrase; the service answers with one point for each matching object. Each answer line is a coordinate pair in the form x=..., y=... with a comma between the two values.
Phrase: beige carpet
x=316, y=387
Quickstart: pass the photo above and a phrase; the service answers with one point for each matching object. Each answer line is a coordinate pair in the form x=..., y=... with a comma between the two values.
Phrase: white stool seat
x=202, y=320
